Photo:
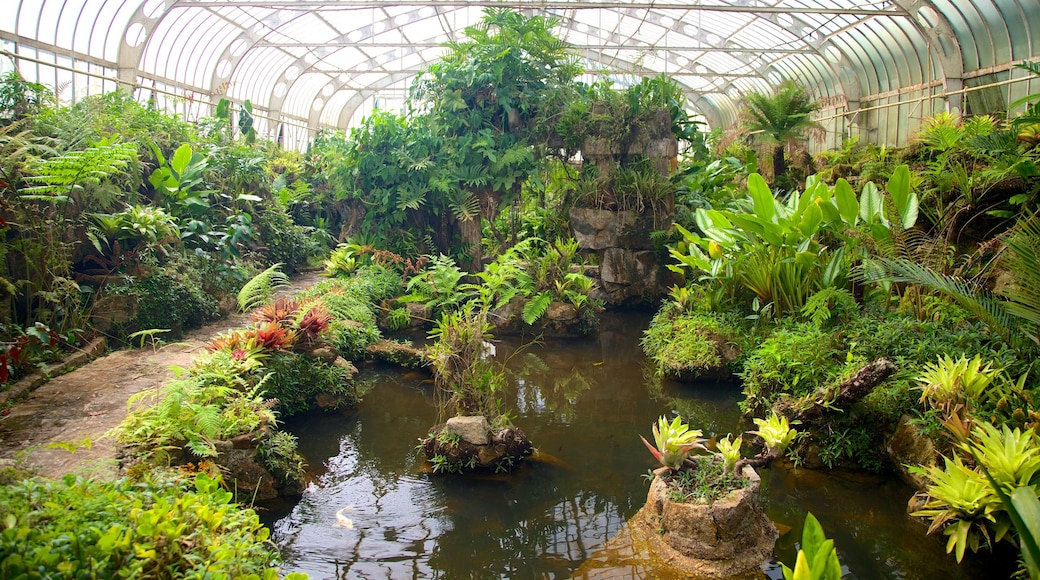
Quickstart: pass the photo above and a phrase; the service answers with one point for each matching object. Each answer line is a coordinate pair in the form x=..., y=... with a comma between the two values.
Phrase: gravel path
x=60, y=427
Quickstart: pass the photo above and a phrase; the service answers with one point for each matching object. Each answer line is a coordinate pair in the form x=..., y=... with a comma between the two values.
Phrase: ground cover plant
x=167, y=526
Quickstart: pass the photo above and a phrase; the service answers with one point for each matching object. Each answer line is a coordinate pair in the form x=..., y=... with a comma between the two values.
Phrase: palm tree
x=780, y=119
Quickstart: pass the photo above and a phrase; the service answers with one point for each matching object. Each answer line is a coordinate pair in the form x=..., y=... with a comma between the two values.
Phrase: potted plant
x=704, y=512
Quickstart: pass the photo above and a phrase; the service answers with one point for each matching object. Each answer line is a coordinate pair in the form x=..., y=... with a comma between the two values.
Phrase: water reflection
x=583, y=403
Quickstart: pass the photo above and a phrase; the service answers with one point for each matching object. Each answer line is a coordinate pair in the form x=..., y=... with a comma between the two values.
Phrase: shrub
x=795, y=360
x=686, y=345
x=285, y=242
x=159, y=528
x=170, y=298
x=296, y=380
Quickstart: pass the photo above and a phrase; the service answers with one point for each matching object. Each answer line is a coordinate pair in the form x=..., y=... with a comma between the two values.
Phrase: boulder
x=473, y=429
x=909, y=446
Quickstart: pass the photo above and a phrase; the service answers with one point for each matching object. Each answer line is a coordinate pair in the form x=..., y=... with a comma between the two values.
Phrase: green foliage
x=685, y=345
x=170, y=297
x=162, y=528
x=706, y=481
x=278, y=453
x=781, y=250
x=794, y=360
x=730, y=452
x=674, y=442
x=460, y=356
x=20, y=98
x=60, y=178
x=536, y=307
x=776, y=432
x=297, y=380
x=948, y=384
x=284, y=242
x=779, y=119
x=817, y=557
x=217, y=400
x=261, y=288
x=969, y=503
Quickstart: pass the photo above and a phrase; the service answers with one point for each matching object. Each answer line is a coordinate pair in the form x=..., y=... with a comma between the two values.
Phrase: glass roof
x=309, y=64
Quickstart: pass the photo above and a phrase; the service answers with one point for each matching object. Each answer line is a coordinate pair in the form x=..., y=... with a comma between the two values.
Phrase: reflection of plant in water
x=560, y=401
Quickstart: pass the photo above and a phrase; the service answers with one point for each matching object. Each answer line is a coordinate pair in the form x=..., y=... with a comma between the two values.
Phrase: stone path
x=60, y=427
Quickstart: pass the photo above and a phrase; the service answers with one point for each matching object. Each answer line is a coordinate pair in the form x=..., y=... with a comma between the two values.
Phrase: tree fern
x=536, y=307
x=261, y=288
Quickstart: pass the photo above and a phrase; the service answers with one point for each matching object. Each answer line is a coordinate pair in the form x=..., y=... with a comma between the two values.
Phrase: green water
x=584, y=404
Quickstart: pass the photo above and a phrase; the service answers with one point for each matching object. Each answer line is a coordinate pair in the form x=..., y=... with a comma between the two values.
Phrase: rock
x=320, y=352
x=330, y=402
x=346, y=365
x=599, y=229
x=508, y=318
x=418, y=313
x=113, y=310
x=909, y=446
x=561, y=312
x=473, y=429
x=506, y=449
x=729, y=538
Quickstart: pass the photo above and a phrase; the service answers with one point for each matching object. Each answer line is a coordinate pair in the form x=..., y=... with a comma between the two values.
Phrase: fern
x=536, y=307
x=58, y=176
x=261, y=287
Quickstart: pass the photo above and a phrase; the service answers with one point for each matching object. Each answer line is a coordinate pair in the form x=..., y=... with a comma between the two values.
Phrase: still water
x=583, y=404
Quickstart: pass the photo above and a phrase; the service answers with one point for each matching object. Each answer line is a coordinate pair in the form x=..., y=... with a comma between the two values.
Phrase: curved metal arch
x=949, y=59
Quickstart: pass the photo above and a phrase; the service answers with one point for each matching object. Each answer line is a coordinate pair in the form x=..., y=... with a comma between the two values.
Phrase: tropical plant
x=780, y=120
x=948, y=384
x=261, y=287
x=776, y=433
x=162, y=527
x=674, y=442
x=460, y=355
x=780, y=251
x=977, y=505
x=817, y=557
x=730, y=452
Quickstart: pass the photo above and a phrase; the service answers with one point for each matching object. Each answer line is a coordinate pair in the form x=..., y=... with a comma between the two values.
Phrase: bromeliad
x=675, y=441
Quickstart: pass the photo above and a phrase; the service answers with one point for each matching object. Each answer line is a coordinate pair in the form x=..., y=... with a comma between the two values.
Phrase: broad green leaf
x=1026, y=516
x=871, y=203
x=812, y=217
x=904, y=199
x=762, y=197
x=845, y=198
x=181, y=159
x=833, y=272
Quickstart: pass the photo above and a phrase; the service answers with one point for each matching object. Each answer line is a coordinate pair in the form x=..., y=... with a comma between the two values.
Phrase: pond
x=584, y=404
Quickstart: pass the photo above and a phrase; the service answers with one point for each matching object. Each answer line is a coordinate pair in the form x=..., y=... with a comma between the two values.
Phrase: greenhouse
x=520, y=289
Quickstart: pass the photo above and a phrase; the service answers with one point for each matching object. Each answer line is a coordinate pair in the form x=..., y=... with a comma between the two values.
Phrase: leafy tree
x=483, y=102
x=779, y=120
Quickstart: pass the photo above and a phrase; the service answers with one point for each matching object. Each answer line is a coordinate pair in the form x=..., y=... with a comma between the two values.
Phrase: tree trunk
x=779, y=162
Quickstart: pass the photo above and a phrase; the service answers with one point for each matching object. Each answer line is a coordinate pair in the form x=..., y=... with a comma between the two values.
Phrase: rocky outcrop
x=729, y=538
x=910, y=446
x=561, y=320
x=464, y=444
x=629, y=269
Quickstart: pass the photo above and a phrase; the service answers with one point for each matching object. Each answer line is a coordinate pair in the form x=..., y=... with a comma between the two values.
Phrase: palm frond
x=261, y=287
x=1023, y=263
x=969, y=296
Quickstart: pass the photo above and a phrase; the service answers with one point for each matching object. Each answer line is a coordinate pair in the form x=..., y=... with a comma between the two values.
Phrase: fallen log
x=838, y=397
